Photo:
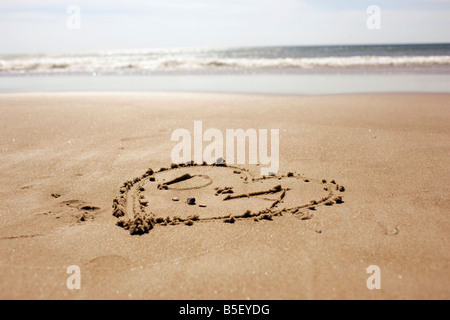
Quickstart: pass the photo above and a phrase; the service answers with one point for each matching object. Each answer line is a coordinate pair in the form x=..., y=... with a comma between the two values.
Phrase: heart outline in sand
x=135, y=208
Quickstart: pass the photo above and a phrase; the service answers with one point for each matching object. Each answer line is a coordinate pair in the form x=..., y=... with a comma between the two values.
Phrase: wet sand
x=65, y=157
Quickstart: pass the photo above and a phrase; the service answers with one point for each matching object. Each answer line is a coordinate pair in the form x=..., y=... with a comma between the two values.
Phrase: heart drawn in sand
x=186, y=194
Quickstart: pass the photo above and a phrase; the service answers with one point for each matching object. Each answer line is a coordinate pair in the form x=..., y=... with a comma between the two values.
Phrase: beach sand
x=64, y=158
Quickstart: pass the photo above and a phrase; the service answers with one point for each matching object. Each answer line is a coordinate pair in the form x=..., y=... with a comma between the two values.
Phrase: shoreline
x=292, y=84
x=206, y=94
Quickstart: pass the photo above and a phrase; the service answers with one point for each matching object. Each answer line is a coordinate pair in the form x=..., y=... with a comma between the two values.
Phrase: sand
x=65, y=157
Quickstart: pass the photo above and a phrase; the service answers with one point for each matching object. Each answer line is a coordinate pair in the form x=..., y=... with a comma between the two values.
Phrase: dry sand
x=64, y=157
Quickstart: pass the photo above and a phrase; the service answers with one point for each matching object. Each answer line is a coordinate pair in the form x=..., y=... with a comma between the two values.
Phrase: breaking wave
x=120, y=62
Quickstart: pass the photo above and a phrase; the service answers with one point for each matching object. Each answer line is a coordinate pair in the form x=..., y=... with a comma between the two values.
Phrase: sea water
x=272, y=70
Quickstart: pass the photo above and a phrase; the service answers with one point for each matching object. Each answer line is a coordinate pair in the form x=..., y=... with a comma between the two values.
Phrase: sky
x=46, y=26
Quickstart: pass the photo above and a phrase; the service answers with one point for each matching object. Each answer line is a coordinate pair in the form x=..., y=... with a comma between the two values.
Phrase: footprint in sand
x=209, y=193
x=79, y=211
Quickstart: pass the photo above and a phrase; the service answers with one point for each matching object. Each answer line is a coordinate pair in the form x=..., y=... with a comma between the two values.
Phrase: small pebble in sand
x=175, y=199
x=191, y=201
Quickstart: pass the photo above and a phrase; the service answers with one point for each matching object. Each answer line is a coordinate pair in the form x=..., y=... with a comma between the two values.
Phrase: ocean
x=277, y=70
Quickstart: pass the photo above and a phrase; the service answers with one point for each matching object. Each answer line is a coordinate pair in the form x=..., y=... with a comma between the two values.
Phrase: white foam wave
x=126, y=62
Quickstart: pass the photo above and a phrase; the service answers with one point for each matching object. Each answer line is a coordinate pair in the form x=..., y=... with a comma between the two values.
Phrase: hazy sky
x=33, y=26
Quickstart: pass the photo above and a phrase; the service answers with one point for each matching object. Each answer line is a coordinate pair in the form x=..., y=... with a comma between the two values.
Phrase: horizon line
x=229, y=47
